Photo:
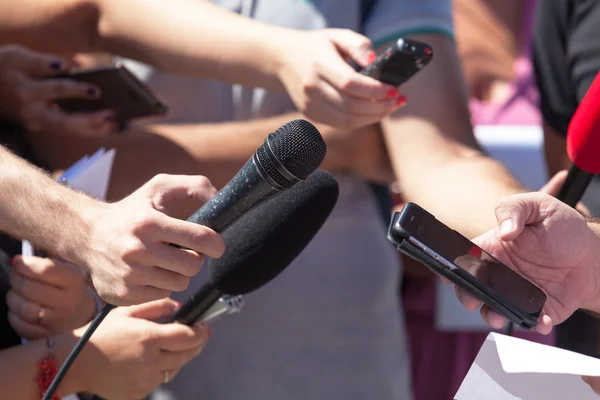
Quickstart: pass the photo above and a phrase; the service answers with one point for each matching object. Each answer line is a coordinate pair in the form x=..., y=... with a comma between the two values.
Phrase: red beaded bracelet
x=47, y=370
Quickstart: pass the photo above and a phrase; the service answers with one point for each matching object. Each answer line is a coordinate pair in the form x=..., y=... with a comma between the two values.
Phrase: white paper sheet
x=508, y=368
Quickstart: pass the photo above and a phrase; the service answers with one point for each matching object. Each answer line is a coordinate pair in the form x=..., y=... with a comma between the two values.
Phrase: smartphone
x=399, y=62
x=446, y=252
x=121, y=90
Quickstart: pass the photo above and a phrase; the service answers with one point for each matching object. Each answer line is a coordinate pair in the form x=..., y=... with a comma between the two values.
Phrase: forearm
x=434, y=154
x=185, y=36
x=18, y=368
x=216, y=150
x=36, y=208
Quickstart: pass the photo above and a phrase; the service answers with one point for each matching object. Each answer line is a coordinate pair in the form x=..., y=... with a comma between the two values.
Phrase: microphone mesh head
x=299, y=147
x=267, y=239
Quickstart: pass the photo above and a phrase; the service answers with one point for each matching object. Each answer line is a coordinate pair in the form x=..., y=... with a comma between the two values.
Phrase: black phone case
x=122, y=92
x=404, y=246
x=413, y=62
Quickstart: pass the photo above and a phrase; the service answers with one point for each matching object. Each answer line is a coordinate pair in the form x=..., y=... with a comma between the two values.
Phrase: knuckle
x=145, y=220
x=130, y=250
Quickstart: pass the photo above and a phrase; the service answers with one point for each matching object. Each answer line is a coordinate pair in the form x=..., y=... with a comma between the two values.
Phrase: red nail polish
x=370, y=57
x=12, y=260
x=401, y=101
x=178, y=304
x=392, y=94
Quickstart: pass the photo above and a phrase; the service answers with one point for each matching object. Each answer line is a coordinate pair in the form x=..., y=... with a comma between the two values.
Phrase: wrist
x=77, y=246
x=75, y=379
x=594, y=305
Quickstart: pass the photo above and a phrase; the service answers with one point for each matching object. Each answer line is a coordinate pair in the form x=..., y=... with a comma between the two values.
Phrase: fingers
x=55, y=89
x=35, y=291
x=344, y=79
x=545, y=325
x=46, y=270
x=190, y=235
x=177, y=337
x=352, y=44
x=26, y=309
x=492, y=318
x=552, y=187
x=34, y=64
x=468, y=301
x=166, y=190
x=153, y=310
x=25, y=329
x=181, y=261
x=362, y=107
x=100, y=123
x=593, y=381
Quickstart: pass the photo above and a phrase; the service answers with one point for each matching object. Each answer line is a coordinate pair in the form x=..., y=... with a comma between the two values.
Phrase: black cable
x=76, y=350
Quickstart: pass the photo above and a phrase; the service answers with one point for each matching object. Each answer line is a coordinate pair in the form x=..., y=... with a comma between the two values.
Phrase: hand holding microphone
x=261, y=245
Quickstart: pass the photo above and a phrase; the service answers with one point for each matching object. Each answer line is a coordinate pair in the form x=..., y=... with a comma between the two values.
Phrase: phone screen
x=470, y=261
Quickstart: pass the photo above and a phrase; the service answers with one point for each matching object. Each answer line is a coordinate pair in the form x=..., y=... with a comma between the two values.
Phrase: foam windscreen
x=583, y=137
x=267, y=239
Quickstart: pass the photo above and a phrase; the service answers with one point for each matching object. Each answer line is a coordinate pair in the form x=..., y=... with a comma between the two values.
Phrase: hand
x=47, y=297
x=27, y=97
x=361, y=151
x=325, y=87
x=552, y=187
x=593, y=381
x=129, y=356
x=127, y=251
x=551, y=245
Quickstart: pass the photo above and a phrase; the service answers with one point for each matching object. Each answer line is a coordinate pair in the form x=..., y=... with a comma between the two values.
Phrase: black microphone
x=261, y=245
x=288, y=156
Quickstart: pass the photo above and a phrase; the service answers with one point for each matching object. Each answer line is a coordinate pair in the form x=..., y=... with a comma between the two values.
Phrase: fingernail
x=401, y=101
x=370, y=57
x=55, y=65
x=92, y=92
x=178, y=304
x=506, y=227
x=392, y=94
x=110, y=118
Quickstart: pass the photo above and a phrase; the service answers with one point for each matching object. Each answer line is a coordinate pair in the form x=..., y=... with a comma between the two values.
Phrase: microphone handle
x=575, y=185
x=247, y=189
x=197, y=305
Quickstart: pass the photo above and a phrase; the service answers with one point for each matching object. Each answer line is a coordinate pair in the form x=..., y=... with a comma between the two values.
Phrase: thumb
x=181, y=193
x=32, y=63
x=353, y=45
x=514, y=212
x=552, y=187
x=153, y=310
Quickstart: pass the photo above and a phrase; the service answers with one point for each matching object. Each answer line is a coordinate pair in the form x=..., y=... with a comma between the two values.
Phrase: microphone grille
x=299, y=147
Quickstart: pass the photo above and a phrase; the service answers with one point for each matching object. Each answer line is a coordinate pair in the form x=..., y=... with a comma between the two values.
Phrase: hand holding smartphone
x=418, y=234
x=399, y=62
x=121, y=91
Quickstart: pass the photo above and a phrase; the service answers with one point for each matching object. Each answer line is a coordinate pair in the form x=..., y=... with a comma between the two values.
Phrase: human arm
x=218, y=150
x=435, y=156
x=124, y=359
x=201, y=39
x=119, y=244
